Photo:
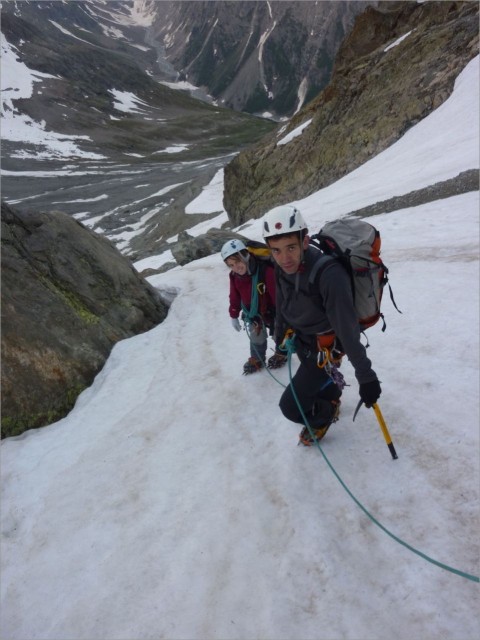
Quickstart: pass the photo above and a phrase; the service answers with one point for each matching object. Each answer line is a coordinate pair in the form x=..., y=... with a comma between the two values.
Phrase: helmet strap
x=303, y=235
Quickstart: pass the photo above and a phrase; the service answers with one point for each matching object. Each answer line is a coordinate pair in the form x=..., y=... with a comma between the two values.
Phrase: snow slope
x=173, y=501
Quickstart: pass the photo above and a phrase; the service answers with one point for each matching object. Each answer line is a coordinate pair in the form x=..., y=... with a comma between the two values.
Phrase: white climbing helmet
x=283, y=219
x=231, y=247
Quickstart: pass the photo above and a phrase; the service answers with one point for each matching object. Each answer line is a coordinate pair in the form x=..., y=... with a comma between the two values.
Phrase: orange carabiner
x=323, y=358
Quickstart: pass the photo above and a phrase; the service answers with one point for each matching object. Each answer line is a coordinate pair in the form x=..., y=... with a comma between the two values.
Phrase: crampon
x=252, y=365
x=305, y=436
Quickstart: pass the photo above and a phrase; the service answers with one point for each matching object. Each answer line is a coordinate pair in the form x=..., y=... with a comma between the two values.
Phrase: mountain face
x=397, y=65
x=88, y=56
x=91, y=52
x=119, y=176
x=255, y=56
x=98, y=136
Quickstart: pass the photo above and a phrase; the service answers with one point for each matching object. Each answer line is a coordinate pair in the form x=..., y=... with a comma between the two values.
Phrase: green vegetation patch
x=18, y=424
x=72, y=300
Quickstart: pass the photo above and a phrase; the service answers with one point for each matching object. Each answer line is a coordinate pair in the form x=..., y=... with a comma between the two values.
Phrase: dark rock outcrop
x=462, y=183
x=189, y=248
x=67, y=297
x=377, y=93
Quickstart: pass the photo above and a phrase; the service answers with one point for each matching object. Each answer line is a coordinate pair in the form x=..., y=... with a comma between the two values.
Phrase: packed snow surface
x=173, y=501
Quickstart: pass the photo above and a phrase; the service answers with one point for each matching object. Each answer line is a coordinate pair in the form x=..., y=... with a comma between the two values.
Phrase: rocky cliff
x=67, y=297
x=255, y=56
x=398, y=64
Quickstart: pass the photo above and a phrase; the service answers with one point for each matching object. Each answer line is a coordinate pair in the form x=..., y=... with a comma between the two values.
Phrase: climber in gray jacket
x=325, y=325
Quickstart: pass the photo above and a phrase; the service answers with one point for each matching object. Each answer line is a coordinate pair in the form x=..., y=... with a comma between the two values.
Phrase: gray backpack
x=356, y=245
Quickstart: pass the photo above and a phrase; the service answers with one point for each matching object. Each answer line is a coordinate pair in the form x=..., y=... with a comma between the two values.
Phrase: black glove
x=370, y=392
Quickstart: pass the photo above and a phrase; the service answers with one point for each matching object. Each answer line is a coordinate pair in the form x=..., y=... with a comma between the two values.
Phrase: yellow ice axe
x=384, y=429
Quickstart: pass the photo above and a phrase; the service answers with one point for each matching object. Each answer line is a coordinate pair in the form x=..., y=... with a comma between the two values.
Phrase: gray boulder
x=189, y=248
x=67, y=297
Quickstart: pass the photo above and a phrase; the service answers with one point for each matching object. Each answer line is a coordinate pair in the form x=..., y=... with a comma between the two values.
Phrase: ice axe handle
x=384, y=429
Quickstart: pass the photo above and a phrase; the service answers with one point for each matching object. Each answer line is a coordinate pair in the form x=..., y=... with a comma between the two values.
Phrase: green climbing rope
x=463, y=574
x=250, y=314
x=289, y=347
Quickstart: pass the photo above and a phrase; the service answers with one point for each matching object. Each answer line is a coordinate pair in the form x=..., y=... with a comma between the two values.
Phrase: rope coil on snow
x=289, y=347
x=463, y=574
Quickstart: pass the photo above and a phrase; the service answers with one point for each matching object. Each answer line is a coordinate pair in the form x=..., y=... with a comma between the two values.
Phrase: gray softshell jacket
x=308, y=314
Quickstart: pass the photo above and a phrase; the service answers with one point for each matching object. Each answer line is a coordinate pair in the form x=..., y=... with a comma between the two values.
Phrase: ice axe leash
x=383, y=427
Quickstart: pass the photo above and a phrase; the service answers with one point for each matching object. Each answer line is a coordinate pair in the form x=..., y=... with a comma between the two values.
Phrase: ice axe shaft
x=384, y=429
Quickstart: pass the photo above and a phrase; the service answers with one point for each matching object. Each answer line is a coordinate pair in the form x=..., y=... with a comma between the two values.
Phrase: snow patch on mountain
x=127, y=101
x=18, y=81
x=293, y=134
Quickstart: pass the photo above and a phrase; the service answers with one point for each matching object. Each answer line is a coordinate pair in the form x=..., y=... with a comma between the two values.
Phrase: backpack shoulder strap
x=259, y=284
x=318, y=267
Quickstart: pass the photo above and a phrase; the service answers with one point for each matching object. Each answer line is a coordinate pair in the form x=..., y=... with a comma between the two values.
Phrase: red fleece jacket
x=241, y=290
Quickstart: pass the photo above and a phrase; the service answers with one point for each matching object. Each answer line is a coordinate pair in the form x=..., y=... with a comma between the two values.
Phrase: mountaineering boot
x=252, y=365
x=305, y=437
